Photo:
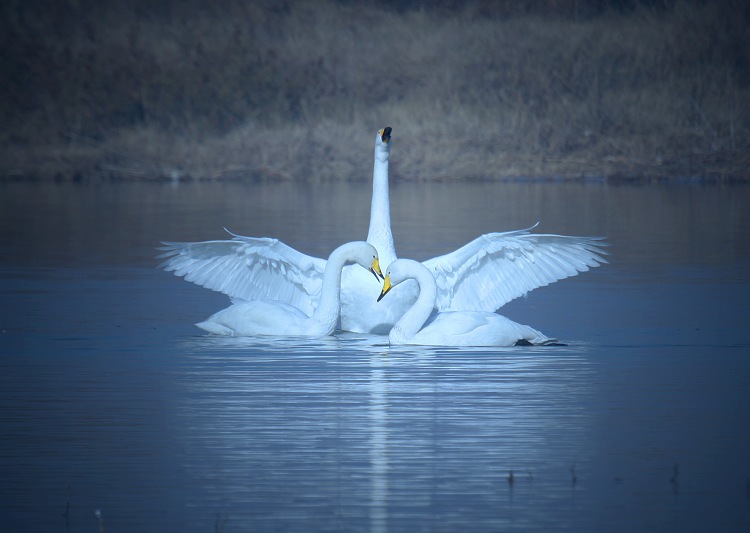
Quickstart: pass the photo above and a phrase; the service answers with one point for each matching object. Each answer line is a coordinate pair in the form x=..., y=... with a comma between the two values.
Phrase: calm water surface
x=113, y=401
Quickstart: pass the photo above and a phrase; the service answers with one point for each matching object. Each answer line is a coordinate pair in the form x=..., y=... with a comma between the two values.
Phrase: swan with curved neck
x=482, y=275
x=449, y=328
x=265, y=317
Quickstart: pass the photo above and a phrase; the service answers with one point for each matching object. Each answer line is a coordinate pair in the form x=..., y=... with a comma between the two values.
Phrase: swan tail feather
x=215, y=329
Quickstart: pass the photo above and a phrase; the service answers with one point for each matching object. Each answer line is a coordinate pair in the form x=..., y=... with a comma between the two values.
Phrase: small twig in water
x=220, y=523
x=98, y=515
x=66, y=514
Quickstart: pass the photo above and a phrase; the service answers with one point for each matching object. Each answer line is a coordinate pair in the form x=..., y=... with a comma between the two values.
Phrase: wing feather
x=248, y=268
x=496, y=268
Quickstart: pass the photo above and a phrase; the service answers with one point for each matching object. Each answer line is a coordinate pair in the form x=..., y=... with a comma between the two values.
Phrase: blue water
x=113, y=402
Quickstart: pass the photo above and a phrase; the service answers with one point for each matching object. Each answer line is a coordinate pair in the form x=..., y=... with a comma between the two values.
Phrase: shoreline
x=99, y=165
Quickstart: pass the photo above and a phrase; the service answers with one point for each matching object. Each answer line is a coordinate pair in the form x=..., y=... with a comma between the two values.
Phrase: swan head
x=365, y=255
x=398, y=271
x=401, y=270
x=383, y=140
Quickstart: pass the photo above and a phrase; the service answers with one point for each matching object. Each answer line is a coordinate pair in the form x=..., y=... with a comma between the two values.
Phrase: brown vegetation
x=296, y=89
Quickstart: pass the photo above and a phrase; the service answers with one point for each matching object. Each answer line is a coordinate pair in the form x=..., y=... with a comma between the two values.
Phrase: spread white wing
x=249, y=268
x=496, y=268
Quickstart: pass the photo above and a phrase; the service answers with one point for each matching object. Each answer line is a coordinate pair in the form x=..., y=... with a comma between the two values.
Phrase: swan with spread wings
x=272, y=317
x=420, y=324
x=482, y=275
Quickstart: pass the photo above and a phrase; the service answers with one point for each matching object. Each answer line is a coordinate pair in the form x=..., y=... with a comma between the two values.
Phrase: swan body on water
x=482, y=275
x=272, y=317
x=421, y=325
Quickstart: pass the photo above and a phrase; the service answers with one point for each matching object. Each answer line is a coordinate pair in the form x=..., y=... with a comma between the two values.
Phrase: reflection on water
x=113, y=400
x=378, y=447
x=383, y=436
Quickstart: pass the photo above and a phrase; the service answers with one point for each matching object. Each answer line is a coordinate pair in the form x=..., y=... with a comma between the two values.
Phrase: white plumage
x=496, y=268
x=483, y=275
x=273, y=317
x=423, y=326
x=249, y=268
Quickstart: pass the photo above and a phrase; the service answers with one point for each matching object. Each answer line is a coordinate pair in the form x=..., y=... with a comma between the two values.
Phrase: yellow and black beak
x=385, y=134
x=386, y=287
x=375, y=269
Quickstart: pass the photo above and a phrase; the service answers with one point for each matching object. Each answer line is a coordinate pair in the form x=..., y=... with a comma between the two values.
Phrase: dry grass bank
x=296, y=90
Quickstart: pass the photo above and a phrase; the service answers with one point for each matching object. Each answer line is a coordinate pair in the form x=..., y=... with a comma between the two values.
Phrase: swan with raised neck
x=484, y=274
x=379, y=233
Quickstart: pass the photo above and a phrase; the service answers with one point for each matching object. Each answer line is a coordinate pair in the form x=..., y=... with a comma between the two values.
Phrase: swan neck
x=413, y=320
x=379, y=234
x=326, y=314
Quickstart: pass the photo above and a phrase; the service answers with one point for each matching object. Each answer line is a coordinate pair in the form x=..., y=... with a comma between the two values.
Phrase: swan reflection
x=350, y=425
x=378, y=445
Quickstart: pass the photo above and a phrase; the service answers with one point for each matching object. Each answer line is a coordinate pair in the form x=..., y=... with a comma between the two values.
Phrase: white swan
x=485, y=274
x=267, y=317
x=449, y=328
x=359, y=311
